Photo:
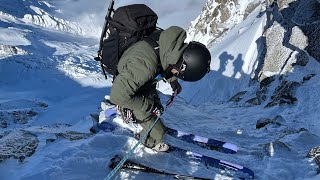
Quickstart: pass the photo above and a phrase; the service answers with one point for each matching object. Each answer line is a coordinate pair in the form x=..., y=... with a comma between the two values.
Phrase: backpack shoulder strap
x=154, y=45
x=152, y=41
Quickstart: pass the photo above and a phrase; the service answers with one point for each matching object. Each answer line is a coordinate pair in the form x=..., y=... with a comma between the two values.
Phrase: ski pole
x=121, y=163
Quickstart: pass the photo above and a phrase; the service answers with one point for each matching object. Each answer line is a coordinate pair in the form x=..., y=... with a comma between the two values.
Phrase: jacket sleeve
x=123, y=92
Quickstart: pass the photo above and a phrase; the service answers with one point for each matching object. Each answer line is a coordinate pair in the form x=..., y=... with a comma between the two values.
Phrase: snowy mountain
x=38, y=13
x=261, y=94
x=217, y=17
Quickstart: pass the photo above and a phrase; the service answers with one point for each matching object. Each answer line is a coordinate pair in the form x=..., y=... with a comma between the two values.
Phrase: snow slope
x=49, y=86
x=232, y=63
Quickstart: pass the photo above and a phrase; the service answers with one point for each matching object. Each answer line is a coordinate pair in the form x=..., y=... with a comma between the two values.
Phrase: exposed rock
x=284, y=94
x=220, y=16
x=298, y=38
x=17, y=117
x=306, y=12
x=308, y=77
x=264, y=122
x=314, y=152
x=313, y=33
x=275, y=148
x=260, y=96
x=266, y=81
x=277, y=54
x=293, y=30
x=19, y=111
x=6, y=50
x=290, y=131
x=237, y=97
x=254, y=101
x=72, y=135
x=18, y=145
x=306, y=15
x=22, y=117
x=285, y=3
x=22, y=104
x=251, y=7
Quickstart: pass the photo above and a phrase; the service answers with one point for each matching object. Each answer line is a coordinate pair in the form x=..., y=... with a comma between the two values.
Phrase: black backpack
x=128, y=25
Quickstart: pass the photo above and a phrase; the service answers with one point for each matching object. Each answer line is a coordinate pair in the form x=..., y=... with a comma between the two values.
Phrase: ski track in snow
x=59, y=80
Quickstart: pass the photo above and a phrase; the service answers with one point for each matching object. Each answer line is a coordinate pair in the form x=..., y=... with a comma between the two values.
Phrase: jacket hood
x=172, y=45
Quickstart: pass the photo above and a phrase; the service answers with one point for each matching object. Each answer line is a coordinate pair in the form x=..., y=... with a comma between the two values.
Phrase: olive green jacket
x=138, y=65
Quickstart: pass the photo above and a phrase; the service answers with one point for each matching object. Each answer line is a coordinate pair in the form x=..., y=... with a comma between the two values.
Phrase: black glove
x=176, y=87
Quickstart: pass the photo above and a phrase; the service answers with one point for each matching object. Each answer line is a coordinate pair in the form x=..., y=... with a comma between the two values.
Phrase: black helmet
x=194, y=63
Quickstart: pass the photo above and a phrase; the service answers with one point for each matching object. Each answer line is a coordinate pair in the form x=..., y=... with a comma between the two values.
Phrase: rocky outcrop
x=278, y=120
x=17, y=117
x=292, y=35
x=314, y=153
x=6, y=50
x=237, y=97
x=17, y=144
x=72, y=135
x=219, y=16
x=21, y=111
x=275, y=148
x=284, y=94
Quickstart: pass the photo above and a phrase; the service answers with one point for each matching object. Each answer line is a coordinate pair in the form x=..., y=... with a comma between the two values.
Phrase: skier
x=134, y=88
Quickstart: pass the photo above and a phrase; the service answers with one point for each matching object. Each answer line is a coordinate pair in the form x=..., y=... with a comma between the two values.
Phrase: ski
x=130, y=165
x=204, y=142
x=231, y=169
x=240, y=171
x=208, y=143
x=244, y=173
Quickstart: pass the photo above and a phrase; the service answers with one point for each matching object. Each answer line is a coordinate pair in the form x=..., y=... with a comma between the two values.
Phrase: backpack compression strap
x=152, y=41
